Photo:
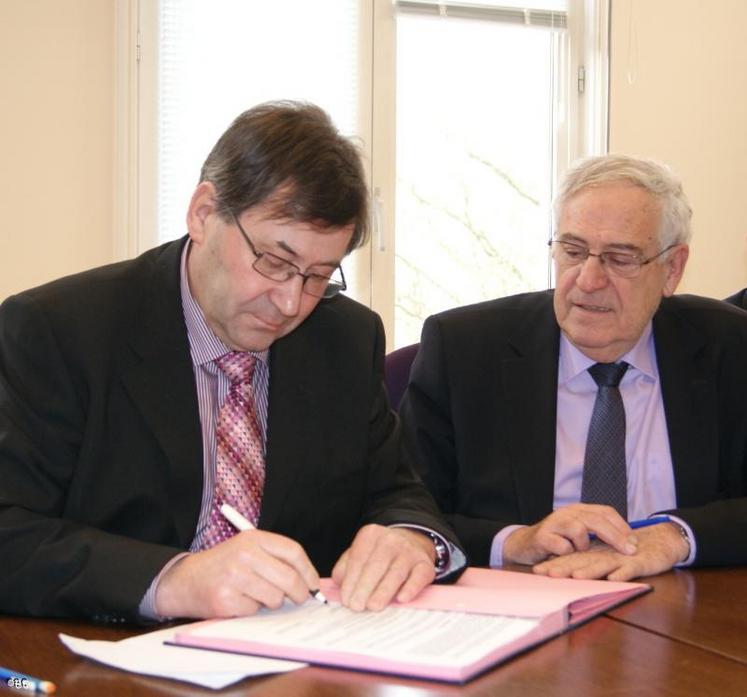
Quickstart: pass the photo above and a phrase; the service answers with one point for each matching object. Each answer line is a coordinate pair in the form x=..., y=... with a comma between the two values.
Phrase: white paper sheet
x=147, y=654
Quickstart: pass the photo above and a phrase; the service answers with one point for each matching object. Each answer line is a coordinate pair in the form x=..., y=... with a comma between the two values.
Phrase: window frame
x=582, y=131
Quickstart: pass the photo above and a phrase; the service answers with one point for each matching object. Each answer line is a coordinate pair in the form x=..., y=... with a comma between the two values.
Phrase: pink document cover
x=531, y=595
x=557, y=603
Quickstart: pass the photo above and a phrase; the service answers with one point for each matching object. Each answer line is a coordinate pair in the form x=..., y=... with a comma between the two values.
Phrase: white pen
x=241, y=524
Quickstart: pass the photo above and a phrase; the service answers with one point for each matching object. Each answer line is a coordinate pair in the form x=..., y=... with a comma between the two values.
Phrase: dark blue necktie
x=605, y=476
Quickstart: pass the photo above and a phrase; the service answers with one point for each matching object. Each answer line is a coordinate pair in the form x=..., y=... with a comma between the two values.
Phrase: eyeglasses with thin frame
x=621, y=264
x=277, y=269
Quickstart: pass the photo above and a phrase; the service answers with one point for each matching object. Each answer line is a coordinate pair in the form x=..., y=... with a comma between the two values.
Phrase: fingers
x=384, y=563
x=659, y=548
x=283, y=563
x=625, y=572
x=586, y=565
x=582, y=520
x=568, y=530
x=253, y=569
x=340, y=569
x=238, y=594
x=614, y=531
x=421, y=575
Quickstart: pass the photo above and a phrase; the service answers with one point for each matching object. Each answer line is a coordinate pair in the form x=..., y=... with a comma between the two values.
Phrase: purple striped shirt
x=212, y=390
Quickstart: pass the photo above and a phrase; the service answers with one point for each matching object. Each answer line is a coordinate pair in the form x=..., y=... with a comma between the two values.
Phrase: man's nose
x=287, y=296
x=591, y=274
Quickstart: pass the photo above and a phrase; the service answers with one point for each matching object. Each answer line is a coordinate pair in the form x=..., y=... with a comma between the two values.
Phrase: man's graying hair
x=291, y=156
x=655, y=178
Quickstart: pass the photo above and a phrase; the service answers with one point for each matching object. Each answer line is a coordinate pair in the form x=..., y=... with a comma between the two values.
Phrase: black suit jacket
x=739, y=299
x=101, y=453
x=480, y=416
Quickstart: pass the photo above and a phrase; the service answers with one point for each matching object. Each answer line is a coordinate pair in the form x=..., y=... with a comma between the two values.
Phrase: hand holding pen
x=236, y=577
x=660, y=545
x=241, y=524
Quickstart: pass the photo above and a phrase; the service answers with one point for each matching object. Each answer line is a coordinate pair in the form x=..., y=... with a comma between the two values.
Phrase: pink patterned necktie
x=239, y=461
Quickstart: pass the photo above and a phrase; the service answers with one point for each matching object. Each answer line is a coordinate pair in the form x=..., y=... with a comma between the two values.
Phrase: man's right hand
x=567, y=530
x=253, y=569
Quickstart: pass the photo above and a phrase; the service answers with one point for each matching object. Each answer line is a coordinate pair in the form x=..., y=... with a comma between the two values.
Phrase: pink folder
x=545, y=605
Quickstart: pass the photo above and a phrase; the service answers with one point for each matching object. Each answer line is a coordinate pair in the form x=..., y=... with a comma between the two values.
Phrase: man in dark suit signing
x=223, y=368
x=544, y=419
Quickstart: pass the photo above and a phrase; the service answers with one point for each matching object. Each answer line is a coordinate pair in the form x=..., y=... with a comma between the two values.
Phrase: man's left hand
x=384, y=563
x=660, y=547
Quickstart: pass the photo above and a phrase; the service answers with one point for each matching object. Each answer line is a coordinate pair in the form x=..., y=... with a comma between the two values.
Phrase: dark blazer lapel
x=532, y=375
x=160, y=381
x=690, y=404
x=290, y=418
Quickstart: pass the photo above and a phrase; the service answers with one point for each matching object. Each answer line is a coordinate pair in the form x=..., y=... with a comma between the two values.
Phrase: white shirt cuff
x=147, y=607
x=690, y=538
x=496, y=549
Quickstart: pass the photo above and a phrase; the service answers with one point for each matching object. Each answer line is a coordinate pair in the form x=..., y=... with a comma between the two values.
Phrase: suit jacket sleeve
x=701, y=348
x=396, y=492
x=55, y=562
x=446, y=437
x=334, y=457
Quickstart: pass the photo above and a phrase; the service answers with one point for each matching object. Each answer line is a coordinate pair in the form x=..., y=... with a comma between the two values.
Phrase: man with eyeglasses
x=138, y=400
x=546, y=423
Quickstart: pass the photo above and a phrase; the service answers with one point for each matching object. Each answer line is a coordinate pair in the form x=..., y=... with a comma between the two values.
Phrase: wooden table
x=706, y=608
x=688, y=637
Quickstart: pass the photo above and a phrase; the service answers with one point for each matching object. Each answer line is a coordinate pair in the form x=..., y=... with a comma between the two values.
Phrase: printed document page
x=433, y=637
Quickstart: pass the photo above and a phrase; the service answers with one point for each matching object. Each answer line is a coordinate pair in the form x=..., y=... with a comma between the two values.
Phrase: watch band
x=685, y=537
x=442, y=553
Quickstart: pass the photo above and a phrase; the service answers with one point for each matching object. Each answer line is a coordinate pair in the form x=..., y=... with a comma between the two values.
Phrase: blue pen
x=21, y=682
x=644, y=523
x=649, y=521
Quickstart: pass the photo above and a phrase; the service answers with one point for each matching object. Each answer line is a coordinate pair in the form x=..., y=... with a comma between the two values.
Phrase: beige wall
x=682, y=98
x=56, y=131
x=686, y=105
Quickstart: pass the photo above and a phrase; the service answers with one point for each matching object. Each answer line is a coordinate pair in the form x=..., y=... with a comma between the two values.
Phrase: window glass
x=465, y=114
x=218, y=58
x=475, y=114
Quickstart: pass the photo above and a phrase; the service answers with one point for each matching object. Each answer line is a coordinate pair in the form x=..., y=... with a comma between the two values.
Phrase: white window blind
x=217, y=58
x=549, y=13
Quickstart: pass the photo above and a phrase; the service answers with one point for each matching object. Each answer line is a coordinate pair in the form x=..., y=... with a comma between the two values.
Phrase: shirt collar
x=641, y=357
x=204, y=345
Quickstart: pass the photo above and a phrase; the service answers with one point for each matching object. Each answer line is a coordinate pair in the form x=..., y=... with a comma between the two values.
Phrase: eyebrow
x=615, y=246
x=284, y=246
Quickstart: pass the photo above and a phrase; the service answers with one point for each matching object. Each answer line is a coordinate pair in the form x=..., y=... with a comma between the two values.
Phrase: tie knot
x=238, y=366
x=608, y=374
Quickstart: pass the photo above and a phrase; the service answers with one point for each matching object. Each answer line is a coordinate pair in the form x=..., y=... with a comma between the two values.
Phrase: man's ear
x=200, y=207
x=675, y=266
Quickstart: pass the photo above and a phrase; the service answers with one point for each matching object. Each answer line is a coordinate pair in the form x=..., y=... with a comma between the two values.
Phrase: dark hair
x=290, y=155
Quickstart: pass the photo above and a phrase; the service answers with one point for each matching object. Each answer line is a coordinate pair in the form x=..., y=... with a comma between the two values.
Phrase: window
x=466, y=114
x=483, y=88
x=202, y=62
